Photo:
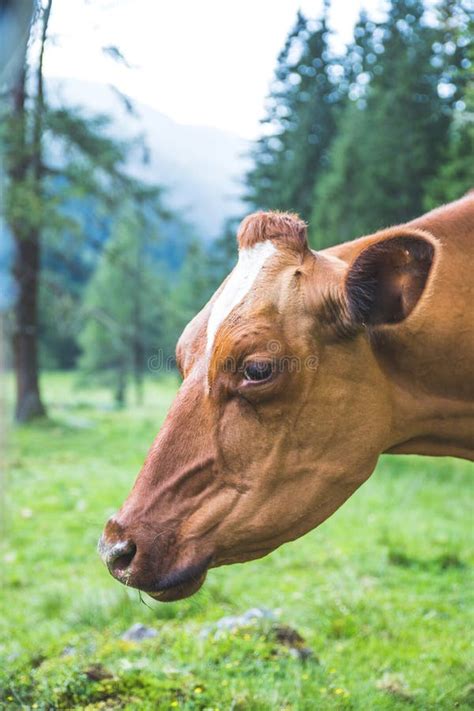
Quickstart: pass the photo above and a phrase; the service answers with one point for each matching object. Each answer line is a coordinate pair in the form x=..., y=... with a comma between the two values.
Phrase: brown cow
x=303, y=368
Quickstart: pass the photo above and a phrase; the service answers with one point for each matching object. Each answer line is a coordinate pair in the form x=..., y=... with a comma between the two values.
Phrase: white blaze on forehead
x=238, y=285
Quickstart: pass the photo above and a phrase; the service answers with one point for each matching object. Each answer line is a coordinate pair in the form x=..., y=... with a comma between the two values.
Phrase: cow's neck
x=432, y=411
x=428, y=359
x=433, y=426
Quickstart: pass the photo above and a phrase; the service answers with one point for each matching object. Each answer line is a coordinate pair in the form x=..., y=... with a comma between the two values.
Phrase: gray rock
x=68, y=651
x=265, y=621
x=254, y=616
x=139, y=632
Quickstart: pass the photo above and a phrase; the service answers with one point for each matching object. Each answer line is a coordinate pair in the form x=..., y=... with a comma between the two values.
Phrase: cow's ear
x=387, y=278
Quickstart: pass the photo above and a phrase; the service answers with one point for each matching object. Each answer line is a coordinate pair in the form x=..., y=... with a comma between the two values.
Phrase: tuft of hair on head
x=285, y=228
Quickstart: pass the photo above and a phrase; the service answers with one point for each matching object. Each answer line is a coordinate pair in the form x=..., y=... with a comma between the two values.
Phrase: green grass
x=382, y=592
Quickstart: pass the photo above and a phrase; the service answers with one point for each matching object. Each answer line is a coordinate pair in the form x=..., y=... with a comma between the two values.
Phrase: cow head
x=283, y=409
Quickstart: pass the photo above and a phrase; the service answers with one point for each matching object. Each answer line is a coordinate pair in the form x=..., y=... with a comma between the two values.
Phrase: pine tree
x=193, y=286
x=456, y=173
x=124, y=310
x=339, y=211
x=390, y=140
x=41, y=182
x=24, y=210
x=223, y=252
x=264, y=180
x=300, y=121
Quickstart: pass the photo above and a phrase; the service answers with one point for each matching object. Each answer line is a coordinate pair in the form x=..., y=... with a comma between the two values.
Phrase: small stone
x=231, y=623
x=395, y=685
x=258, y=613
x=266, y=621
x=68, y=651
x=302, y=653
x=139, y=632
x=288, y=636
x=37, y=660
x=292, y=639
x=97, y=672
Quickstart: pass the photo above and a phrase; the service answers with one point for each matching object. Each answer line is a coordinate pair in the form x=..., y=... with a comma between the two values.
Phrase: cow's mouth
x=179, y=592
x=180, y=584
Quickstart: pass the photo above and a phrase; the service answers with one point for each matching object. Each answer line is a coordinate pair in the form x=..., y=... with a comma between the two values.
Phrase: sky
x=201, y=62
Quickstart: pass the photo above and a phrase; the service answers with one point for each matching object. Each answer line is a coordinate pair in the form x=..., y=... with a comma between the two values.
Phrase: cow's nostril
x=120, y=556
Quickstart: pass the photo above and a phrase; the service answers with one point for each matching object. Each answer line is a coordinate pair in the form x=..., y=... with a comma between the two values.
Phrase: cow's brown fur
x=382, y=331
x=285, y=227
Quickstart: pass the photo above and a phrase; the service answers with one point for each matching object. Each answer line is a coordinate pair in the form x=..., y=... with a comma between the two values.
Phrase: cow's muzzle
x=151, y=565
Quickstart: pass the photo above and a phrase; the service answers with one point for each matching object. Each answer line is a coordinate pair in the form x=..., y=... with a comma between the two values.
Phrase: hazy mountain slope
x=202, y=167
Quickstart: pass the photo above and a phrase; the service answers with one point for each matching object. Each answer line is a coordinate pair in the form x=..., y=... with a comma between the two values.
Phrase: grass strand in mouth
x=143, y=602
x=381, y=592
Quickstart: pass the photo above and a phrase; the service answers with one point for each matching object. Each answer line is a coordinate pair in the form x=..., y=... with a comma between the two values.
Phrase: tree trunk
x=138, y=373
x=138, y=346
x=28, y=400
x=120, y=386
x=138, y=351
x=3, y=429
x=27, y=243
x=25, y=338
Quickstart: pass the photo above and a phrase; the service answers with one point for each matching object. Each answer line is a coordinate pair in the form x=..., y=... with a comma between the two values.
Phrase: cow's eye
x=258, y=371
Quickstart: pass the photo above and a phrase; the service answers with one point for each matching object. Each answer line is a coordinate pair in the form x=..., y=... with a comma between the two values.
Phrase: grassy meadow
x=382, y=592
